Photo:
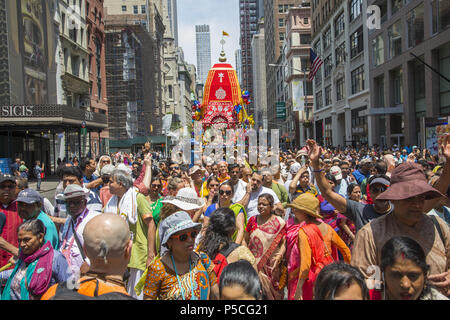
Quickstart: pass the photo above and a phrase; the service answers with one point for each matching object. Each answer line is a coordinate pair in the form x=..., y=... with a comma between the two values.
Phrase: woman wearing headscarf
x=39, y=265
x=103, y=161
x=181, y=273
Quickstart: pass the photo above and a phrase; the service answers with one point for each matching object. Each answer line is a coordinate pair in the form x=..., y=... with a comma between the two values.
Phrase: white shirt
x=252, y=207
x=239, y=189
x=76, y=259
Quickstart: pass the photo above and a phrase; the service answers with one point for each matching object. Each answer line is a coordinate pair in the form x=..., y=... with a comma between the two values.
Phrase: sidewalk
x=48, y=183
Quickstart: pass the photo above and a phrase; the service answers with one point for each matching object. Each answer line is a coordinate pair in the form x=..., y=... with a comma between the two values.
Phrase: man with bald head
x=107, y=244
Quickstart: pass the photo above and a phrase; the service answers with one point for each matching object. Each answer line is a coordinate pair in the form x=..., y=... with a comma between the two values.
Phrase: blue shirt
x=359, y=176
x=89, y=180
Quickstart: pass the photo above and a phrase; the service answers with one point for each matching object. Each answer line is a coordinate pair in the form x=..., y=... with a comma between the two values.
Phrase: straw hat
x=186, y=199
x=308, y=203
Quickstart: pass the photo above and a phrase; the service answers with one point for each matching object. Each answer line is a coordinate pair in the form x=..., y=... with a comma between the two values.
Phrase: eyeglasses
x=184, y=236
x=106, y=161
x=228, y=192
x=174, y=168
x=377, y=189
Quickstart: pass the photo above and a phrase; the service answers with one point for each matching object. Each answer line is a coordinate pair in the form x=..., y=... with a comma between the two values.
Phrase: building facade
x=45, y=113
x=301, y=99
x=341, y=85
x=203, y=47
x=414, y=38
x=275, y=13
x=249, y=12
x=95, y=20
x=259, y=78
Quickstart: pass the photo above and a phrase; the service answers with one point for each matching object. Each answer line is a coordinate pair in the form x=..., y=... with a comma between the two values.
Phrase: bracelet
x=317, y=171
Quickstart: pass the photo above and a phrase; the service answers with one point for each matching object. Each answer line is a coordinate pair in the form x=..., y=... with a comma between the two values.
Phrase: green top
x=139, y=230
x=281, y=193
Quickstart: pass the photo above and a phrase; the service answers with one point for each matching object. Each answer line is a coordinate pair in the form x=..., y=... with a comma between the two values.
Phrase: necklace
x=193, y=297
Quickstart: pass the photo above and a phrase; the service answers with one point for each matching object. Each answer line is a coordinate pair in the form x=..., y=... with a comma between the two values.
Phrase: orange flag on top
x=225, y=34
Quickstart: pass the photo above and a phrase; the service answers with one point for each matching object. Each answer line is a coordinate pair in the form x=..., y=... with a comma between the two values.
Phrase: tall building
x=275, y=13
x=259, y=78
x=238, y=59
x=404, y=89
x=249, y=15
x=300, y=102
x=173, y=19
x=95, y=21
x=203, y=46
x=341, y=85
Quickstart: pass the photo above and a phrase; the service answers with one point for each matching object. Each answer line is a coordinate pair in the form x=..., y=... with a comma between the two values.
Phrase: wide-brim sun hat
x=73, y=191
x=186, y=199
x=175, y=223
x=307, y=203
x=408, y=180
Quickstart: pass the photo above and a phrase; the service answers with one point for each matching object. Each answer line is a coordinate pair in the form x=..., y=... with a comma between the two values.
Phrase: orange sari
x=268, y=244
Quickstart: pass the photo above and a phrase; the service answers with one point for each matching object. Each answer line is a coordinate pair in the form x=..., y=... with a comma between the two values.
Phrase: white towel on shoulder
x=127, y=207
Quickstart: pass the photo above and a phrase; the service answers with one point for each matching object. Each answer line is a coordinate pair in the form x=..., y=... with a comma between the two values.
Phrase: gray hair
x=174, y=182
x=35, y=226
x=122, y=177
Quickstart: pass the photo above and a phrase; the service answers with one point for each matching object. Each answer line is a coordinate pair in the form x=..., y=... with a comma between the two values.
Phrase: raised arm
x=443, y=182
x=336, y=200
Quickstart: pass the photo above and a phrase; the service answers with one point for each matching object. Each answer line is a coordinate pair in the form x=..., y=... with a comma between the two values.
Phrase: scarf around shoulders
x=38, y=275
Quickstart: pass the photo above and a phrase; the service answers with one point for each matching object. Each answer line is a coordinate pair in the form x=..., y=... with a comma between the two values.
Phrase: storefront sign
x=17, y=111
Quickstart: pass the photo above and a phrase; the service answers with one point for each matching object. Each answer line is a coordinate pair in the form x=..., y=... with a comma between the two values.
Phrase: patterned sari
x=268, y=244
x=161, y=282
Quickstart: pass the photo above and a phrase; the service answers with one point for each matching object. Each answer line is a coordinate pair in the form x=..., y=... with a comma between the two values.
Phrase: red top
x=13, y=221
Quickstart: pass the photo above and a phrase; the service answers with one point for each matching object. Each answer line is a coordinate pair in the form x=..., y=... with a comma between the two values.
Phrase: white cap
x=336, y=172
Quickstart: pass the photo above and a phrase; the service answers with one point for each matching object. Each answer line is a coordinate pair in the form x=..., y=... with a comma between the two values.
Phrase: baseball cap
x=336, y=172
x=29, y=196
x=380, y=181
x=7, y=177
x=194, y=169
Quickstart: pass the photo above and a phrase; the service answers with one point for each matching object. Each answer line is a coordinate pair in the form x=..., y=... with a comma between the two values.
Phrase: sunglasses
x=228, y=192
x=156, y=186
x=174, y=168
x=74, y=203
x=7, y=186
x=377, y=189
x=184, y=236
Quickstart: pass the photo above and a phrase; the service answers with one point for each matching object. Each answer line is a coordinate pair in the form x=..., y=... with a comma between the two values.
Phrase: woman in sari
x=266, y=238
x=318, y=244
x=181, y=273
x=39, y=265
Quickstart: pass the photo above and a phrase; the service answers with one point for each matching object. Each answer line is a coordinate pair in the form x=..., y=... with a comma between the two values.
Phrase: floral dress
x=161, y=282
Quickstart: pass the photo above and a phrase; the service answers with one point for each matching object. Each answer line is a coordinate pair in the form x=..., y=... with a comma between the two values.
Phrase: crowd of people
x=324, y=223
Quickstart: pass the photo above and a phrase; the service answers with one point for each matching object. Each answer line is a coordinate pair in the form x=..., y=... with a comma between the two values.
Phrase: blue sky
x=219, y=15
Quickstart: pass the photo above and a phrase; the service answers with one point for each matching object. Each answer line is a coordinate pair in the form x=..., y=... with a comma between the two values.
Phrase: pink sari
x=268, y=245
x=292, y=255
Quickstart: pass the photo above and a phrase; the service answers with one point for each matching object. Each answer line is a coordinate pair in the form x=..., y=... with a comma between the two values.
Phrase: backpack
x=64, y=293
x=220, y=261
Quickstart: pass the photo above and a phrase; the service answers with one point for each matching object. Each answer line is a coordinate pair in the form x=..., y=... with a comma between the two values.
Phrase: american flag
x=316, y=63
